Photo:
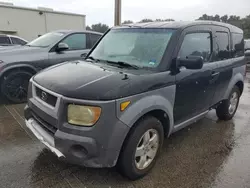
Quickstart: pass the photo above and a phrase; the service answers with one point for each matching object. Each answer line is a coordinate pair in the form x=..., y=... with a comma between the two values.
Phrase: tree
x=164, y=20
x=146, y=20
x=102, y=28
x=88, y=28
x=224, y=18
x=127, y=22
x=243, y=23
x=217, y=18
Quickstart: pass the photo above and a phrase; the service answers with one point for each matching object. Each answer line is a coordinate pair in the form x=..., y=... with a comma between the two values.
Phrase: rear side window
x=238, y=45
x=4, y=40
x=196, y=44
x=222, y=46
x=94, y=38
x=18, y=41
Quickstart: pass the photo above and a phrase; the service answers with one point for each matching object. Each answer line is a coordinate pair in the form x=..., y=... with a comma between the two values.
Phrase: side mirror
x=247, y=53
x=61, y=47
x=84, y=55
x=191, y=62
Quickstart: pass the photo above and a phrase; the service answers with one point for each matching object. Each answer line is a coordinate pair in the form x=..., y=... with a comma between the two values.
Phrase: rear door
x=222, y=56
x=77, y=43
x=93, y=38
x=194, y=88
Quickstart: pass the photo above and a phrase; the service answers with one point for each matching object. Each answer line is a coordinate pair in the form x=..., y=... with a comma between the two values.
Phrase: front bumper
x=43, y=136
x=79, y=149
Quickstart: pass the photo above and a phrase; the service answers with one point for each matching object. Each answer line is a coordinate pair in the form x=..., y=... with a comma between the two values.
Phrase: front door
x=194, y=88
x=77, y=49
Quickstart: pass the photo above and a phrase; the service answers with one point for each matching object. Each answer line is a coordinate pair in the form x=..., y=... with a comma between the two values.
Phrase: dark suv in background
x=139, y=84
x=18, y=64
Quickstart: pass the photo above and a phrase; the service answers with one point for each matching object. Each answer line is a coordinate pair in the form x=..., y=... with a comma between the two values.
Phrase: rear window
x=4, y=40
x=238, y=45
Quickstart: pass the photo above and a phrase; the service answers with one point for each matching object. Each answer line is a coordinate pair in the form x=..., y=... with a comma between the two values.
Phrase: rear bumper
x=76, y=149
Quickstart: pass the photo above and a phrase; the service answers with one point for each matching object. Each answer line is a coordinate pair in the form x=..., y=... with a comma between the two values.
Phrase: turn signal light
x=124, y=105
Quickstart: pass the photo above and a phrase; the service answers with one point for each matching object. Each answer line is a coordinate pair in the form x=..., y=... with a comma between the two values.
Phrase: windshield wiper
x=123, y=64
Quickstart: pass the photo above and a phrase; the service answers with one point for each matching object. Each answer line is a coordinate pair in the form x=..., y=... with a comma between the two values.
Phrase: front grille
x=48, y=127
x=46, y=97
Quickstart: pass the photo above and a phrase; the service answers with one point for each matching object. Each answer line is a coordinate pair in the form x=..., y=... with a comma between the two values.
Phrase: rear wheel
x=141, y=148
x=227, y=109
x=15, y=85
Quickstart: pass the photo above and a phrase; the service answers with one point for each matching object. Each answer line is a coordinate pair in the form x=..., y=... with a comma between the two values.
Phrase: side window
x=76, y=41
x=196, y=44
x=238, y=45
x=4, y=40
x=94, y=38
x=222, y=46
x=17, y=41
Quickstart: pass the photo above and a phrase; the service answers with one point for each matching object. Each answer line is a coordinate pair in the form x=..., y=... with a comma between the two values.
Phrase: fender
x=162, y=99
x=5, y=69
x=238, y=75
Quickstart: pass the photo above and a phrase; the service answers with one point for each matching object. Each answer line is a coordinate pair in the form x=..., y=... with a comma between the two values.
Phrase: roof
x=183, y=24
x=77, y=31
x=41, y=9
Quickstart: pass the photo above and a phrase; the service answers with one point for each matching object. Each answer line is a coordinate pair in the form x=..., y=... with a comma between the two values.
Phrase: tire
x=15, y=85
x=129, y=165
x=223, y=111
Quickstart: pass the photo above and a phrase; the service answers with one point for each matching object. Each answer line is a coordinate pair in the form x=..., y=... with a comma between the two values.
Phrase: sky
x=97, y=11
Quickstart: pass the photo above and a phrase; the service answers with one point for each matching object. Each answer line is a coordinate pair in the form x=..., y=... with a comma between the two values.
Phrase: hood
x=81, y=80
x=20, y=53
x=84, y=80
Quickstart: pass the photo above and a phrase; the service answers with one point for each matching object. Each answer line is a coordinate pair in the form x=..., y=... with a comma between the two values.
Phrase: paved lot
x=209, y=153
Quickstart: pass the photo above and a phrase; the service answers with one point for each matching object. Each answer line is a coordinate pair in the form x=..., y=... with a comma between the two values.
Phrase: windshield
x=46, y=40
x=137, y=46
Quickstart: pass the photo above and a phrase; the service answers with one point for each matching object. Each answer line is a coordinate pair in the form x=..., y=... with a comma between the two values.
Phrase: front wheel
x=141, y=148
x=228, y=107
x=15, y=85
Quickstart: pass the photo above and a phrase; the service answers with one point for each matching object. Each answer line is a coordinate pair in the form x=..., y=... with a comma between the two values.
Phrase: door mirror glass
x=191, y=62
x=247, y=53
x=62, y=46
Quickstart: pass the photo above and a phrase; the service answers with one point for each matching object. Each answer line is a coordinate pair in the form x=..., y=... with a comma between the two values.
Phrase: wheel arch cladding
x=24, y=67
x=158, y=103
x=240, y=85
x=236, y=80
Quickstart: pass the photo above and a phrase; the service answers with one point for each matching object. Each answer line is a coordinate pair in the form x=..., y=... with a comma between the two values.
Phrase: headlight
x=83, y=115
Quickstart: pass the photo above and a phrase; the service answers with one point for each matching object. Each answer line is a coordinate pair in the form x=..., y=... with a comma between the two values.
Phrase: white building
x=29, y=23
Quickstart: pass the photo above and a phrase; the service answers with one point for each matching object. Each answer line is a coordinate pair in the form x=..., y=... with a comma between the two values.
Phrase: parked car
x=18, y=64
x=116, y=107
x=8, y=40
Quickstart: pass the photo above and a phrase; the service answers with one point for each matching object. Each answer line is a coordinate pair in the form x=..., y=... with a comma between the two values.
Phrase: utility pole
x=118, y=7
